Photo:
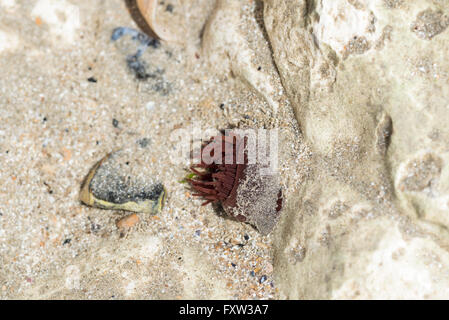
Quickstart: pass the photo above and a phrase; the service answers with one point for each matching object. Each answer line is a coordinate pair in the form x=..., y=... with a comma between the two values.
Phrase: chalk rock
x=368, y=81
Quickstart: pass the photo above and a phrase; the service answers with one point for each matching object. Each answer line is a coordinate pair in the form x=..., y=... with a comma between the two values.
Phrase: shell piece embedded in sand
x=148, y=10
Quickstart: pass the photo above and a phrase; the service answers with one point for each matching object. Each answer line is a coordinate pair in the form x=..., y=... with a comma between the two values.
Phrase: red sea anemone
x=224, y=176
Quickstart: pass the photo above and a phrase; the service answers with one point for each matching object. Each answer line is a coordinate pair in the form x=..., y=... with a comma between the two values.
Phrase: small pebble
x=143, y=142
x=92, y=79
x=150, y=105
x=268, y=268
x=128, y=222
x=262, y=279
